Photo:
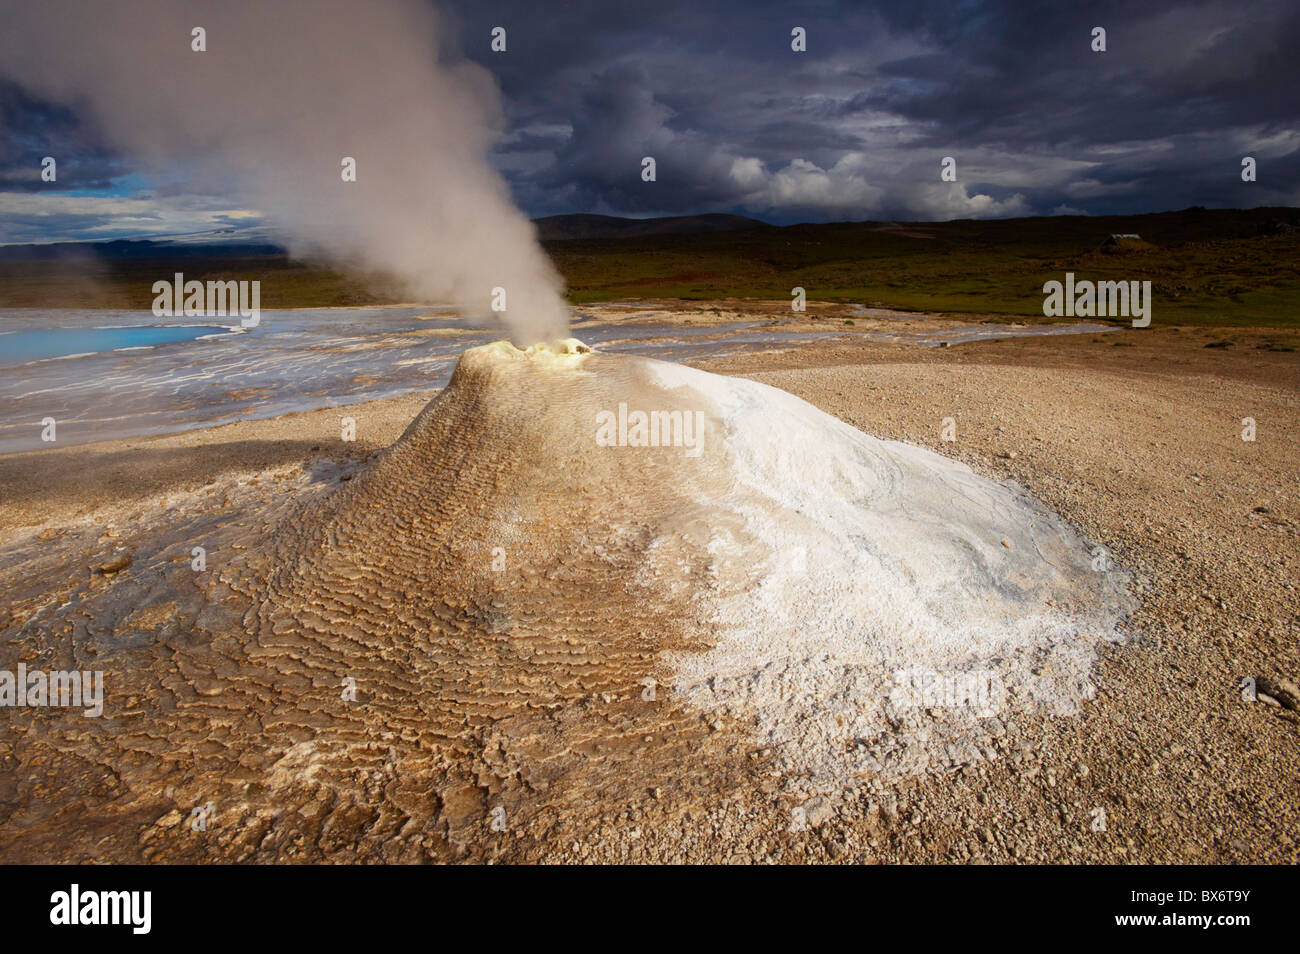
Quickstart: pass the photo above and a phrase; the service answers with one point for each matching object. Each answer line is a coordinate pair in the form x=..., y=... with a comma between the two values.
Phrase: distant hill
x=1206, y=266
x=555, y=228
x=120, y=249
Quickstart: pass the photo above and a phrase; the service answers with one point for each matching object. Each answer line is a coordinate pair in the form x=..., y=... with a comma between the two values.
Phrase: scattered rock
x=818, y=811
x=1283, y=692
x=115, y=565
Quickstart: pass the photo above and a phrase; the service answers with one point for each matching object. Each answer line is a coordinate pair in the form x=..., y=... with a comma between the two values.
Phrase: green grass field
x=1218, y=267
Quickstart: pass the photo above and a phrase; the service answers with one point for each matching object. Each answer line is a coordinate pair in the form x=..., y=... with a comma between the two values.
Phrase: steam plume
x=285, y=91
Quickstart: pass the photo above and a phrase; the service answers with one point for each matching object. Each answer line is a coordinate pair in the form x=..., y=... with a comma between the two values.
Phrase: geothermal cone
x=559, y=526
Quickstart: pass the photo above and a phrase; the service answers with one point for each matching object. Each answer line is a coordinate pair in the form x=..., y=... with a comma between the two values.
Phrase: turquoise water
x=66, y=342
x=103, y=374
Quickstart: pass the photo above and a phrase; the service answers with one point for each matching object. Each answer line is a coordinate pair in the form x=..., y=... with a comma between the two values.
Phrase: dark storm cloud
x=856, y=126
x=1169, y=69
x=31, y=129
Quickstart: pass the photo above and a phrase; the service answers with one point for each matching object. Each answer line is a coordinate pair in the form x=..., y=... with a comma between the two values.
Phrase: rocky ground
x=1135, y=437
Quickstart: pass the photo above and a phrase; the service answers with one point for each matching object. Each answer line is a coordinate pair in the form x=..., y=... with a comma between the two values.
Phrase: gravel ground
x=1136, y=438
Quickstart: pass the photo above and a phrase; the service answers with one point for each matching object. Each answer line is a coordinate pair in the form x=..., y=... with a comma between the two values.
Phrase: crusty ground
x=1135, y=437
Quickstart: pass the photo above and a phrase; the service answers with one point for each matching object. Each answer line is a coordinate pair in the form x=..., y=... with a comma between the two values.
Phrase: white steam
x=267, y=114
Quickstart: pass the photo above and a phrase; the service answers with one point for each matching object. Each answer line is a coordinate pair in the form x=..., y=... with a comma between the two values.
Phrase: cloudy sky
x=854, y=128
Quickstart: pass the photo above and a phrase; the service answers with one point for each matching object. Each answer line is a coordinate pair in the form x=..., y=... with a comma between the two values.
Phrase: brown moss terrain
x=1215, y=267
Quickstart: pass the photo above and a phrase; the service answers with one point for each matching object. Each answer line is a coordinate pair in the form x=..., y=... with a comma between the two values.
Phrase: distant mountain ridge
x=552, y=228
x=1193, y=224
x=121, y=249
x=1222, y=267
x=555, y=228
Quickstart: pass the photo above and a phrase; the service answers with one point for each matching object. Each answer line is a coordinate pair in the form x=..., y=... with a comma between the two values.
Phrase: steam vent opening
x=584, y=572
